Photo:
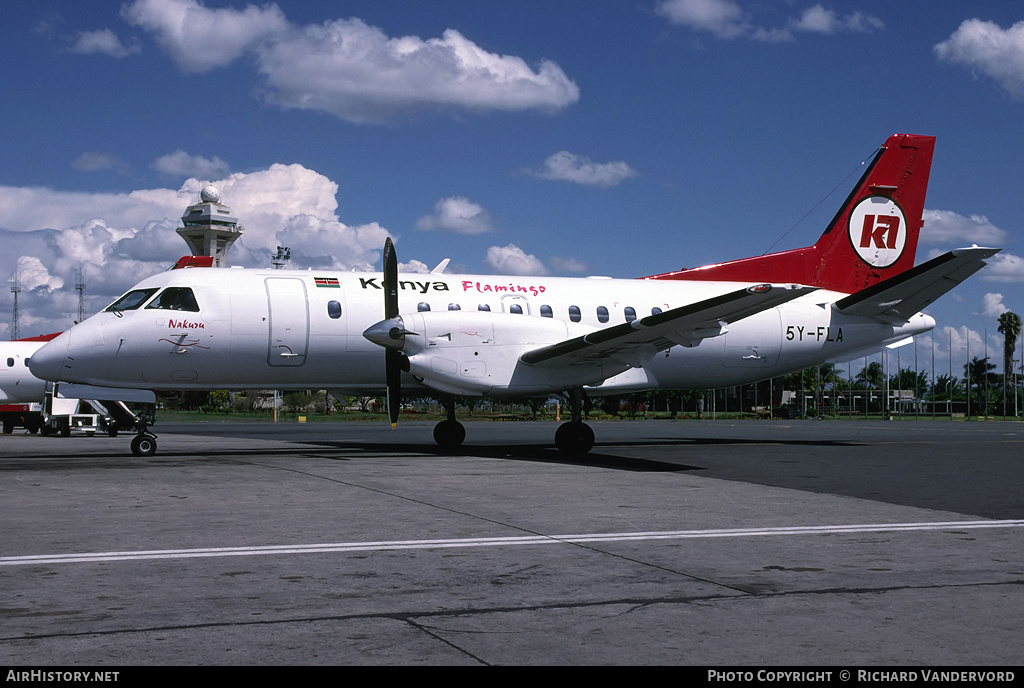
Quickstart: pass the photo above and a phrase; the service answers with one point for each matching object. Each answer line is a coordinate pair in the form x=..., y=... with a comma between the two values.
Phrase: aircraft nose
x=48, y=360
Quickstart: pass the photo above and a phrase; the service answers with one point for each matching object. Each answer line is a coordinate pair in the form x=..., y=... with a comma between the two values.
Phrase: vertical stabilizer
x=873, y=236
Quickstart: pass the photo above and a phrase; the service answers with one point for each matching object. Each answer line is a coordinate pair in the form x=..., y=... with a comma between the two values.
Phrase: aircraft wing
x=633, y=343
x=898, y=299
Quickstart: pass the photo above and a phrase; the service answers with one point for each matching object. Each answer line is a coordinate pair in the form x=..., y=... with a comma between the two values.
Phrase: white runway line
x=37, y=559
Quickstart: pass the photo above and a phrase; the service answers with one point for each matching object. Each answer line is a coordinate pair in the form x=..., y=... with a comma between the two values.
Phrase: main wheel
x=449, y=434
x=144, y=445
x=574, y=439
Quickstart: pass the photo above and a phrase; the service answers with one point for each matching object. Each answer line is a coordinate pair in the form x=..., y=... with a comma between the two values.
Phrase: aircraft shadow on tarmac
x=602, y=456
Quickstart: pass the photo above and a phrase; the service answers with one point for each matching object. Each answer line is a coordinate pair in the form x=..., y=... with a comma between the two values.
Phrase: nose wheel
x=144, y=445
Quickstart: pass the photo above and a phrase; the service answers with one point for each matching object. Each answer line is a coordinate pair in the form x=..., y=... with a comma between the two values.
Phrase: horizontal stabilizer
x=899, y=298
x=635, y=342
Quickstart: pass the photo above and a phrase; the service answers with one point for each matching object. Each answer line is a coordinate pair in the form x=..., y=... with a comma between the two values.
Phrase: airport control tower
x=209, y=229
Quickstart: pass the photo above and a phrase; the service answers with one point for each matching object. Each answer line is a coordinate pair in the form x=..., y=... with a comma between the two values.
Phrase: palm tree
x=979, y=375
x=1009, y=327
x=870, y=377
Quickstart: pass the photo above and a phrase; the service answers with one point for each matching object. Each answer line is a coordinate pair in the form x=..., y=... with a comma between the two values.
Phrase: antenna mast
x=15, y=289
x=80, y=286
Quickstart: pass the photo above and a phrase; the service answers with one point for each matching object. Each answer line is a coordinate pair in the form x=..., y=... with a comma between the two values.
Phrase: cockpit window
x=176, y=299
x=131, y=300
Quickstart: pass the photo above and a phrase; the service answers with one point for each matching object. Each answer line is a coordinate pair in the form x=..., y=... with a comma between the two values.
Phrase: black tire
x=8, y=426
x=144, y=445
x=574, y=439
x=449, y=434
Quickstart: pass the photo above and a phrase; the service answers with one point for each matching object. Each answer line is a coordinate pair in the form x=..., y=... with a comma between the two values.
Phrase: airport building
x=209, y=228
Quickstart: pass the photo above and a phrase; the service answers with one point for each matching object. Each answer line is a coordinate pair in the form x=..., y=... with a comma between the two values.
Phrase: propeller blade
x=392, y=358
x=393, y=367
x=390, y=280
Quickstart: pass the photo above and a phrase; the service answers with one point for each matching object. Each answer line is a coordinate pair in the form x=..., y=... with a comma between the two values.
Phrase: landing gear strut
x=144, y=443
x=575, y=438
x=449, y=433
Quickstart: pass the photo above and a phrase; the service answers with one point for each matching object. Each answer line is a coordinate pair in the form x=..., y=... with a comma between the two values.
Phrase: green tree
x=871, y=376
x=908, y=380
x=946, y=388
x=1009, y=327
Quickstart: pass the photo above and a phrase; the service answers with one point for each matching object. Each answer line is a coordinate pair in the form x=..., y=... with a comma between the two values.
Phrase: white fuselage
x=17, y=383
x=301, y=330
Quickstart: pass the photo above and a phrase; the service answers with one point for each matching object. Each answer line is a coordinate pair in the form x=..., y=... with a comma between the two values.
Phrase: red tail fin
x=872, y=237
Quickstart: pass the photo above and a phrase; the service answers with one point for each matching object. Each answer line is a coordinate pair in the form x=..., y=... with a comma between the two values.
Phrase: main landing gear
x=449, y=433
x=575, y=438
x=144, y=443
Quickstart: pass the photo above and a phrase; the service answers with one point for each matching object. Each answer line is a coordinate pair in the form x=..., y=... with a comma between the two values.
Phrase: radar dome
x=210, y=194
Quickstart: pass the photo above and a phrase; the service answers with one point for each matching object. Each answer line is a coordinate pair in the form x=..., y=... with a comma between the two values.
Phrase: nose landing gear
x=144, y=443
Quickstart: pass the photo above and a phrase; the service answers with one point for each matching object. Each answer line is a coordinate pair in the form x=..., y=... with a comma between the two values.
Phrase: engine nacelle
x=476, y=353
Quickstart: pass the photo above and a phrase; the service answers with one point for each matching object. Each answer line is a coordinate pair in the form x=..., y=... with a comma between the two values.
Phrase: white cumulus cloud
x=723, y=18
x=817, y=19
x=457, y=215
x=512, y=260
x=348, y=68
x=992, y=305
x=119, y=239
x=566, y=166
x=95, y=161
x=199, y=38
x=946, y=226
x=727, y=20
x=180, y=163
x=1003, y=267
x=103, y=42
x=986, y=48
x=32, y=274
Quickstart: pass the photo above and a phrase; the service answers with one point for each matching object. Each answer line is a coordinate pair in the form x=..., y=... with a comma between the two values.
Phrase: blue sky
x=564, y=138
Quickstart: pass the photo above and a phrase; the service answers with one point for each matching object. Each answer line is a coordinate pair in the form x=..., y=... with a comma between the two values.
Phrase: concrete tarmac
x=710, y=543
